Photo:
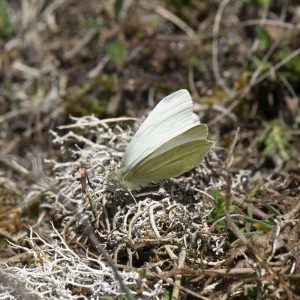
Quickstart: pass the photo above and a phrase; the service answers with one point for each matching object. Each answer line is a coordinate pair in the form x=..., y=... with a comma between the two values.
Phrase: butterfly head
x=116, y=177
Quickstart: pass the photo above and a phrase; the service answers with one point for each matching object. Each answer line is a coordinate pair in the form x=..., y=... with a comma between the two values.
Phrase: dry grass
x=227, y=230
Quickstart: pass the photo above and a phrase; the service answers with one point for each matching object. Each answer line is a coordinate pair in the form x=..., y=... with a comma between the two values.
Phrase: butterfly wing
x=172, y=116
x=177, y=156
x=198, y=132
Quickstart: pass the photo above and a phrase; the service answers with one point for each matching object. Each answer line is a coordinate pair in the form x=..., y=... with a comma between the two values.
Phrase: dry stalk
x=215, y=51
x=177, y=279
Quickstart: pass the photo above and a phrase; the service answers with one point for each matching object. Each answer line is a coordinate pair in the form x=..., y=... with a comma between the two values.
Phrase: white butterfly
x=170, y=142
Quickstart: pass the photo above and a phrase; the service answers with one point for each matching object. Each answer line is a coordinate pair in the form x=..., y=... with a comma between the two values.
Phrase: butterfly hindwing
x=177, y=156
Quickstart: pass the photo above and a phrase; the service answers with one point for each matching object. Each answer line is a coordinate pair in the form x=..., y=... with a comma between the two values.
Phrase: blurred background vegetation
x=239, y=59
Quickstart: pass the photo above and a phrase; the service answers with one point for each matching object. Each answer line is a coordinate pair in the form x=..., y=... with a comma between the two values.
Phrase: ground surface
x=229, y=229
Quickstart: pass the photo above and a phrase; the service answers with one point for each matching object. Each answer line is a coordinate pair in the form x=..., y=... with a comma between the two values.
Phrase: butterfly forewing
x=172, y=116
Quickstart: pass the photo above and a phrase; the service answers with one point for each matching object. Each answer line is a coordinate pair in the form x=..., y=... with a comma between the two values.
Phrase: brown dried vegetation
x=228, y=229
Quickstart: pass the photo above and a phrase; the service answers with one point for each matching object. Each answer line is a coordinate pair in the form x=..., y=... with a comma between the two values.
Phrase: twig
x=87, y=37
x=215, y=50
x=99, y=67
x=192, y=85
x=230, y=223
x=273, y=69
x=117, y=250
x=168, y=15
x=104, y=201
x=256, y=211
x=276, y=23
x=11, y=162
x=228, y=161
x=96, y=123
x=54, y=5
x=288, y=87
x=177, y=281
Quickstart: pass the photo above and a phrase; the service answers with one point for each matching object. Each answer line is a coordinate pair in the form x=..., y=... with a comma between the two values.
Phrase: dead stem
x=177, y=279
